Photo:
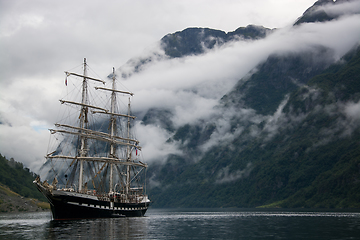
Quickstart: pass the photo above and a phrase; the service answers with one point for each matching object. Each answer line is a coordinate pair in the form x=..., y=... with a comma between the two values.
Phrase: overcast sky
x=41, y=39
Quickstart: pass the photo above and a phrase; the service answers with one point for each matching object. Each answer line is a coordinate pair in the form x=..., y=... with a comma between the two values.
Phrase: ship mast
x=128, y=159
x=112, y=136
x=112, y=129
x=83, y=123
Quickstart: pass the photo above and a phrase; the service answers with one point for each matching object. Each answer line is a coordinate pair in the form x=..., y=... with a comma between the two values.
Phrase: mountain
x=286, y=135
x=317, y=12
x=194, y=41
x=313, y=159
x=191, y=41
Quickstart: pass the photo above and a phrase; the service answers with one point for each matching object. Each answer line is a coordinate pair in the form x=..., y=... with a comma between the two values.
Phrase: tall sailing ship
x=95, y=171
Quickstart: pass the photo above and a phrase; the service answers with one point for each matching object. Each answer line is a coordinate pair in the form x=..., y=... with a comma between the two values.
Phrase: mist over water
x=189, y=224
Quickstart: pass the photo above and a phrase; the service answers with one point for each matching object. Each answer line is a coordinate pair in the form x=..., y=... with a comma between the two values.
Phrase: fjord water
x=189, y=224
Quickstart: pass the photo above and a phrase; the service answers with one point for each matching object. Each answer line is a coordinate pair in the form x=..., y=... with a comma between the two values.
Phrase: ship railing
x=133, y=197
x=66, y=188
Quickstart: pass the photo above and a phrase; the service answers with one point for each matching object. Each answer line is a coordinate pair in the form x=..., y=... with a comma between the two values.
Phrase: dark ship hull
x=72, y=205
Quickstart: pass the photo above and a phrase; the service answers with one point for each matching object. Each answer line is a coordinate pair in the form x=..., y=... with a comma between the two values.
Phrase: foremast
x=83, y=124
x=83, y=150
x=83, y=130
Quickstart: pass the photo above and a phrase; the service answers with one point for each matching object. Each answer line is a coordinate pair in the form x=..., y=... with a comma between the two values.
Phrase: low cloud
x=191, y=87
x=17, y=136
x=225, y=132
x=344, y=8
x=352, y=121
x=352, y=111
x=154, y=143
x=225, y=176
x=276, y=121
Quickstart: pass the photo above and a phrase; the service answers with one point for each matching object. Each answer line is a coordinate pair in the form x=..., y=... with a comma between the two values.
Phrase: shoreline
x=11, y=202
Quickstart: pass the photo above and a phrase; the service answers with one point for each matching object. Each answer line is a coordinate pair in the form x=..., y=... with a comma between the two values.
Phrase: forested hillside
x=18, y=178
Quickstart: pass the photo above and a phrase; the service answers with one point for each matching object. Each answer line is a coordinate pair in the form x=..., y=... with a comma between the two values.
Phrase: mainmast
x=112, y=128
x=112, y=134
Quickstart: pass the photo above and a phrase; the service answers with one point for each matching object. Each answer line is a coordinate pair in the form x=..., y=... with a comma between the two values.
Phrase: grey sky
x=41, y=39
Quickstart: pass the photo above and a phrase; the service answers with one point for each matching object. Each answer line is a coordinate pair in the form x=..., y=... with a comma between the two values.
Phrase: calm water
x=189, y=224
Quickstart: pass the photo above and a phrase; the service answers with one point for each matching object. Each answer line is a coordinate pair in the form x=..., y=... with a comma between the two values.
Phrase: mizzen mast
x=128, y=153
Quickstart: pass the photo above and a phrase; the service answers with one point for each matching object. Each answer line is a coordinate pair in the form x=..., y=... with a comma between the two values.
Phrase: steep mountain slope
x=317, y=13
x=288, y=133
x=278, y=76
x=311, y=160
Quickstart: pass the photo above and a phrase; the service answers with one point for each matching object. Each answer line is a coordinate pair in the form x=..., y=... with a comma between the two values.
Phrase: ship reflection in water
x=106, y=228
